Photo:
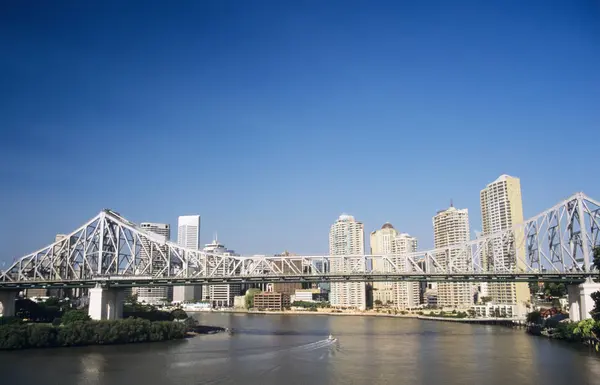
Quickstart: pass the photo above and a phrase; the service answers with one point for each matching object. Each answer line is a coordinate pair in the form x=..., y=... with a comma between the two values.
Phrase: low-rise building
x=491, y=310
x=310, y=295
x=271, y=301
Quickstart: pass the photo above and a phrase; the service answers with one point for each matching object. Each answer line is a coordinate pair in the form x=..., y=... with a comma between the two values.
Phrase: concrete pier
x=106, y=303
x=580, y=300
x=7, y=302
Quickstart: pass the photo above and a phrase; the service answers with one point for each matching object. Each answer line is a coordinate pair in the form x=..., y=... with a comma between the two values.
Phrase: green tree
x=552, y=289
x=486, y=299
x=596, y=260
x=179, y=314
x=535, y=318
x=74, y=316
x=586, y=329
x=250, y=297
x=378, y=302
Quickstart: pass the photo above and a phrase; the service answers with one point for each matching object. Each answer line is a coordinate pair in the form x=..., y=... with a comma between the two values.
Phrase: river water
x=293, y=349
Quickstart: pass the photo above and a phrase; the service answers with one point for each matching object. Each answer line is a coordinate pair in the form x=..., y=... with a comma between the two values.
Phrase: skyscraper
x=406, y=294
x=346, y=237
x=451, y=227
x=188, y=235
x=157, y=294
x=381, y=242
x=188, y=231
x=387, y=241
x=501, y=208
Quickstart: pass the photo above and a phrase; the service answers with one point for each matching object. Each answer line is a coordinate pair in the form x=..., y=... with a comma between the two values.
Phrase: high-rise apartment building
x=501, y=208
x=451, y=227
x=346, y=237
x=387, y=241
x=406, y=294
x=157, y=294
x=188, y=235
x=381, y=242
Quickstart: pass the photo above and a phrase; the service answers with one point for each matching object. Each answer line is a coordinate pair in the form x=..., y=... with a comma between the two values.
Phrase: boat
x=331, y=338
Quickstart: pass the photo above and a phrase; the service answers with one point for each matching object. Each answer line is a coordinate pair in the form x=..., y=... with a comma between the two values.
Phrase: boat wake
x=326, y=343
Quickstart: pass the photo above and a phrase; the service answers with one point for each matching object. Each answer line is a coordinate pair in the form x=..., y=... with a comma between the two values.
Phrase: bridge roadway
x=137, y=281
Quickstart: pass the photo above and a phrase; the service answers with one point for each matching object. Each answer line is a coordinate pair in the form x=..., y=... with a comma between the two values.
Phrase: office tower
x=451, y=227
x=220, y=295
x=346, y=237
x=188, y=236
x=157, y=294
x=381, y=242
x=501, y=208
x=188, y=231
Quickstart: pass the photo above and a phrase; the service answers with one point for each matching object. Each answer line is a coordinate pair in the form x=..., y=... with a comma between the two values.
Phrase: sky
x=270, y=119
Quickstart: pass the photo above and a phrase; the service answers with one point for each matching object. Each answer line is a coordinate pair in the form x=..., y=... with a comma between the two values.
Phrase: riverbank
x=84, y=333
x=490, y=321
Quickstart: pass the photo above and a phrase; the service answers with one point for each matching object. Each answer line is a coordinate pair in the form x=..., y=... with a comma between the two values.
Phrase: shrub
x=74, y=316
x=56, y=322
x=179, y=314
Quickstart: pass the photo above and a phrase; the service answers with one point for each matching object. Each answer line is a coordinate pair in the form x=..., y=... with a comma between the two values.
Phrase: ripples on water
x=291, y=350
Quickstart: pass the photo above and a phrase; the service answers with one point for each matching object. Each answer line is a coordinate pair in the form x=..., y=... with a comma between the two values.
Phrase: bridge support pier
x=106, y=303
x=580, y=300
x=7, y=302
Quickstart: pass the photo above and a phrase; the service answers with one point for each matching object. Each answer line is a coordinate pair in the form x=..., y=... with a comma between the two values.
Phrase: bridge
x=109, y=253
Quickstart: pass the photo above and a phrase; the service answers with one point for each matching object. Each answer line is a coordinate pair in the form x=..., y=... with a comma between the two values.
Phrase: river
x=293, y=349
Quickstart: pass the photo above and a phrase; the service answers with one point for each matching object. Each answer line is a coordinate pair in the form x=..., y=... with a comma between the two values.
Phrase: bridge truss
x=555, y=245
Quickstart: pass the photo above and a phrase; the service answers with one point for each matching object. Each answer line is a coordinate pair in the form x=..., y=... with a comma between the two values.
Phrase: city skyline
x=269, y=132
x=473, y=231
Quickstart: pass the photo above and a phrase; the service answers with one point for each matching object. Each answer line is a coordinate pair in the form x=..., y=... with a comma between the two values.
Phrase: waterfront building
x=346, y=237
x=451, y=227
x=188, y=235
x=494, y=310
x=381, y=242
x=221, y=295
x=501, y=208
x=310, y=295
x=271, y=301
x=389, y=242
x=157, y=294
x=406, y=294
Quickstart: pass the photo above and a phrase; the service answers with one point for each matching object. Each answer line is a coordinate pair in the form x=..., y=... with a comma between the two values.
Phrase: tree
x=535, y=317
x=586, y=329
x=552, y=289
x=179, y=314
x=378, y=302
x=596, y=261
x=250, y=297
x=74, y=316
x=486, y=299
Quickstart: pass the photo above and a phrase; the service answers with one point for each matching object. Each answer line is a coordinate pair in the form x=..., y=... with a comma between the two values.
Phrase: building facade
x=381, y=242
x=346, y=237
x=406, y=294
x=501, y=208
x=188, y=235
x=157, y=294
x=271, y=301
x=451, y=227
x=220, y=295
x=388, y=241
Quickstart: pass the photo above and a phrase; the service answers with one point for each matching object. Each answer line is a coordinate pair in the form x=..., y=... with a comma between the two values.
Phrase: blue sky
x=270, y=120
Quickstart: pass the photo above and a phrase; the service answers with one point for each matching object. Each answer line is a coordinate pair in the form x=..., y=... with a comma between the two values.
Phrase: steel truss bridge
x=109, y=250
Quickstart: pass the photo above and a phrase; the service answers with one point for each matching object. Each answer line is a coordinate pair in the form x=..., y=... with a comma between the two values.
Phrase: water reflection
x=294, y=350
